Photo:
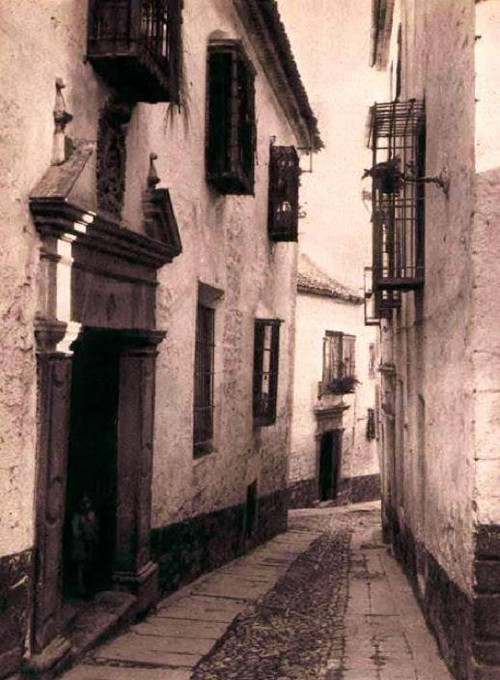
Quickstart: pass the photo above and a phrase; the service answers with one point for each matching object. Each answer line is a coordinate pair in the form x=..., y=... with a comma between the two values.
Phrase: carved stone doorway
x=90, y=533
x=95, y=438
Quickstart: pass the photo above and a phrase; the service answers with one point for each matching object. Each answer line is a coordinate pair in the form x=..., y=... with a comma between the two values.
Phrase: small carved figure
x=84, y=544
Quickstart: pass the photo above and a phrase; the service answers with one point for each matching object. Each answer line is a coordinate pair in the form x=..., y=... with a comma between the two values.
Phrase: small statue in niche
x=84, y=544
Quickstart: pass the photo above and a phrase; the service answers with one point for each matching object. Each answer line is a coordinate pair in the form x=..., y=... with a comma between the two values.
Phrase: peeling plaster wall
x=431, y=340
x=225, y=245
x=315, y=315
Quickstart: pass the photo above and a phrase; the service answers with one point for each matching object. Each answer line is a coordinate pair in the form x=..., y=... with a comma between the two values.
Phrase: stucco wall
x=39, y=42
x=431, y=340
x=315, y=315
x=485, y=245
x=225, y=245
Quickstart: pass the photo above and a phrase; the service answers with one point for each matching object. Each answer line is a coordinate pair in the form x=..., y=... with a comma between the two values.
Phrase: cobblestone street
x=325, y=600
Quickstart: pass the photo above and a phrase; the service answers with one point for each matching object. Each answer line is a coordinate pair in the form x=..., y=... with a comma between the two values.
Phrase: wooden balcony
x=135, y=46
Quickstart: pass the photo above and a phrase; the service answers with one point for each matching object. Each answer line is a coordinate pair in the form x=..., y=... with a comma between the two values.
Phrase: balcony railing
x=397, y=134
x=135, y=45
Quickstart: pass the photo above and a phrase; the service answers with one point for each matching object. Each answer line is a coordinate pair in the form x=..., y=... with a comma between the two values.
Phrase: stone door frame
x=96, y=275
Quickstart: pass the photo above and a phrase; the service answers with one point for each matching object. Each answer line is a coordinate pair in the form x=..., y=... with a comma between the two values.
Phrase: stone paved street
x=325, y=600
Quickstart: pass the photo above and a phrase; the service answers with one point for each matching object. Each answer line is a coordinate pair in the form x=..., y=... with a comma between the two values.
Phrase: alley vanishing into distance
x=324, y=600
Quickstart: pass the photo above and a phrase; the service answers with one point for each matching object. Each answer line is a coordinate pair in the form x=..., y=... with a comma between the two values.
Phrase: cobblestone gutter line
x=296, y=631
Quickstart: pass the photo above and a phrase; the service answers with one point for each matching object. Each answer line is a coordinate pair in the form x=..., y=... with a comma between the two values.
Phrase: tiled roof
x=263, y=22
x=315, y=281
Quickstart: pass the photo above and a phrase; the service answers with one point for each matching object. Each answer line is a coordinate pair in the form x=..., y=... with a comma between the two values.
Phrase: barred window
x=230, y=134
x=283, y=213
x=265, y=371
x=204, y=381
x=339, y=363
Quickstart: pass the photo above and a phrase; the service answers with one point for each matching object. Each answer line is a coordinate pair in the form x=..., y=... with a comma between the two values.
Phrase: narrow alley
x=250, y=340
x=324, y=600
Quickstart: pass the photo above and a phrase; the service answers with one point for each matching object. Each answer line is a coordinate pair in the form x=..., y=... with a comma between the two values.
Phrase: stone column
x=54, y=395
x=133, y=569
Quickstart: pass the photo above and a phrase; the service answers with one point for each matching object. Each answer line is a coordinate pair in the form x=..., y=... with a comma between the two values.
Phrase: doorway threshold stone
x=92, y=624
x=103, y=616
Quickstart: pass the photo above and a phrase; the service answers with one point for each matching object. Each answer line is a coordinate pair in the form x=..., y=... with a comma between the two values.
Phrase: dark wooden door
x=329, y=464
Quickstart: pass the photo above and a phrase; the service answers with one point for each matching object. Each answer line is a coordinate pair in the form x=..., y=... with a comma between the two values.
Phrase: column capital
x=48, y=334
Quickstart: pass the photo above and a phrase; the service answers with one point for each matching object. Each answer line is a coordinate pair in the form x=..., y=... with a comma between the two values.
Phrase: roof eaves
x=263, y=23
x=330, y=292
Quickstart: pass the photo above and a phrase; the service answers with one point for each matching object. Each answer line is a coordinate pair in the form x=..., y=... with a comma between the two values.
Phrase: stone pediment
x=160, y=223
x=63, y=202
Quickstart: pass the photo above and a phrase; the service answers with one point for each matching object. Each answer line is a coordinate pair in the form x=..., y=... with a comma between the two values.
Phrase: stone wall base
x=188, y=549
x=303, y=494
x=15, y=580
x=467, y=628
x=359, y=489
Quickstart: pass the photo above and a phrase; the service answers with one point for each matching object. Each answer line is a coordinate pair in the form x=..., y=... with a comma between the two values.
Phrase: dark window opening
x=265, y=371
x=204, y=381
x=230, y=134
x=399, y=65
x=370, y=424
x=339, y=363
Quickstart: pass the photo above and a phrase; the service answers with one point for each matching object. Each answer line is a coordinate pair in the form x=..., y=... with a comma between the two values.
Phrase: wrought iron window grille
x=265, y=371
x=230, y=128
x=283, y=210
x=135, y=46
x=397, y=137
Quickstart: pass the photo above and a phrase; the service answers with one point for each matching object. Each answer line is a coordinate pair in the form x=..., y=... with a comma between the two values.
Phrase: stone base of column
x=143, y=584
x=50, y=660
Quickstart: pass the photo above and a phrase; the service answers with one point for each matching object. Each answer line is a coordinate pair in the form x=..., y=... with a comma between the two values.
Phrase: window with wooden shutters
x=265, y=370
x=339, y=363
x=283, y=214
x=204, y=381
x=230, y=133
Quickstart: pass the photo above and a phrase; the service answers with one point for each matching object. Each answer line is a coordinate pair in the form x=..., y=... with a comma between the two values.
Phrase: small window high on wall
x=265, y=370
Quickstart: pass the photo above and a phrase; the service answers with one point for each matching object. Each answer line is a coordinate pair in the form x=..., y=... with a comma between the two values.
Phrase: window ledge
x=203, y=451
x=264, y=421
